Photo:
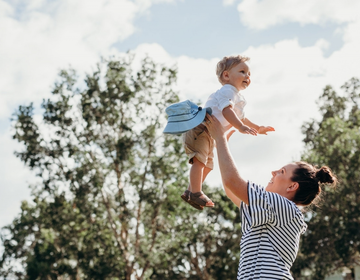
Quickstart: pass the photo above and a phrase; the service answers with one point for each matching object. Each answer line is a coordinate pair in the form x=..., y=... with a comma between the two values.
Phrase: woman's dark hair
x=310, y=180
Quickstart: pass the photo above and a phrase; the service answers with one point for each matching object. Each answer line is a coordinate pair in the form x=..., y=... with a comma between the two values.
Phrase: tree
x=107, y=205
x=332, y=240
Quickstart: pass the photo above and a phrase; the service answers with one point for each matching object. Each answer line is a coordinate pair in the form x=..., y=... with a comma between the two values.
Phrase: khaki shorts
x=198, y=143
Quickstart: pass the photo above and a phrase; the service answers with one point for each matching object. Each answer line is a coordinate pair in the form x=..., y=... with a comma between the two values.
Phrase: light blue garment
x=184, y=116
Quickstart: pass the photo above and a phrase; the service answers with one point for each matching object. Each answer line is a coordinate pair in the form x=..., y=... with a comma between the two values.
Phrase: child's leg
x=205, y=172
x=198, y=173
x=186, y=195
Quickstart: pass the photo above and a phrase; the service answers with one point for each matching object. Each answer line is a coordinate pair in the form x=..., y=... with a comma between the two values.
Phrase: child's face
x=238, y=76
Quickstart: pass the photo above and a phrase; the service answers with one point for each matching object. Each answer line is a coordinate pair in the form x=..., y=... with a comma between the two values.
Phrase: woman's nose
x=273, y=173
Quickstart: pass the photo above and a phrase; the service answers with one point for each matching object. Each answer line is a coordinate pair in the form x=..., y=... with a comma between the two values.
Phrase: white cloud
x=15, y=178
x=351, y=33
x=259, y=14
x=196, y=78
x=155, y=52
x=40, y=37
x=146, y=4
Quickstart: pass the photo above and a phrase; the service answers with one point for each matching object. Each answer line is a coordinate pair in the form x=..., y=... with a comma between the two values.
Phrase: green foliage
x=108, y=205
x=332, y=240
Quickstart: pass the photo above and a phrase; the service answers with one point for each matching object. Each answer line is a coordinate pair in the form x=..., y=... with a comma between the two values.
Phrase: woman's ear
x=293, y=187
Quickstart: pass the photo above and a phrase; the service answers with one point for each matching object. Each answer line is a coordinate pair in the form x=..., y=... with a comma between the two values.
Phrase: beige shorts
x=198, y=143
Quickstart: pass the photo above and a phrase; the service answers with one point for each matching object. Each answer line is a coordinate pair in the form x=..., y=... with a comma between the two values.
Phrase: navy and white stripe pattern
x=271, y=229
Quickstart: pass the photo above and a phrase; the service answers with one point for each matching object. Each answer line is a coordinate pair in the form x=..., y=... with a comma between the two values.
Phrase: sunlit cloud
x=259, y=14
x=38, y=38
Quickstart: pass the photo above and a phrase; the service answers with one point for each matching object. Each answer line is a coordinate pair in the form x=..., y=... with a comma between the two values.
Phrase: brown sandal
x=186, y=197
x=200, y=199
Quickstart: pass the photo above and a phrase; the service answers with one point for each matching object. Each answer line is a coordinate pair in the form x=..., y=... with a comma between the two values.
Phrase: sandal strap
x=199, y=198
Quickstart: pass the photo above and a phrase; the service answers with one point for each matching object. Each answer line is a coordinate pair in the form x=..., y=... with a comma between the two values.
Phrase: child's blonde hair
x=227, y=63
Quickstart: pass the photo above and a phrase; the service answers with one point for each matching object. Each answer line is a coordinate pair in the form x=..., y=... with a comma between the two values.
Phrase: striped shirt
x=271, y=229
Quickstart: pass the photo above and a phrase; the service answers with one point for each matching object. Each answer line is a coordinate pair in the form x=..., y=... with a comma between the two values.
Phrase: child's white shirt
x=227, y=95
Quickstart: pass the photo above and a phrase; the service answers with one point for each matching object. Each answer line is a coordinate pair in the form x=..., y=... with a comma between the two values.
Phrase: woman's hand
x=216, y=130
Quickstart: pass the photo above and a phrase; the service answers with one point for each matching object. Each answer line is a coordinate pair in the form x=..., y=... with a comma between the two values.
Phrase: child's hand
x=247, y=130
x=265, y=129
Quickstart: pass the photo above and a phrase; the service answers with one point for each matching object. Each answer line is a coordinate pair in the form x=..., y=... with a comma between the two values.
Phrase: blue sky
x=201, y=28
x=296, y=47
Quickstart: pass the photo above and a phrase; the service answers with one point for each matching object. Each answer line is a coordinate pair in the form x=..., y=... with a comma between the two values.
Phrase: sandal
x=200, y=199
x=186, y=197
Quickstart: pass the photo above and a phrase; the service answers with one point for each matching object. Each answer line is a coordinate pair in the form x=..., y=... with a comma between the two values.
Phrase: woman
x=271, y=220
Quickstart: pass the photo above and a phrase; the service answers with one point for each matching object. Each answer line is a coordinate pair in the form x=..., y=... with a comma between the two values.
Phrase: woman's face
x=281, y=179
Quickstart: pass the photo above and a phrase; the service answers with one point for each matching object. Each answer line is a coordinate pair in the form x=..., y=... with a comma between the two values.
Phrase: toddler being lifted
x=227, y=105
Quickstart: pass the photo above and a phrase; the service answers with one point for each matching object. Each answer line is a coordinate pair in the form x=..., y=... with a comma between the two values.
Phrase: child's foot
x=186, y=196
x=201, y=199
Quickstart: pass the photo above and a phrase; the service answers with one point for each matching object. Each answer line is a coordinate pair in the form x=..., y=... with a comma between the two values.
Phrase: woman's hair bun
x=310, y=180
x=324, y=175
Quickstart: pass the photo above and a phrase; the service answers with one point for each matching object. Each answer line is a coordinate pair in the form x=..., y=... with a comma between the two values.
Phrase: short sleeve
x=225, y=98
x=268, y=208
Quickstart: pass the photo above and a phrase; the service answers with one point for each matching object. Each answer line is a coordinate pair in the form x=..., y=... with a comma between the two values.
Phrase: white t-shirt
x=271, y=229
x=227, y=95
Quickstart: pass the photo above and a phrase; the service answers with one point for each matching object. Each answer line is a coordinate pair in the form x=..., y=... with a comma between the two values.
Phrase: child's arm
x=259, y=129
x=234, y=120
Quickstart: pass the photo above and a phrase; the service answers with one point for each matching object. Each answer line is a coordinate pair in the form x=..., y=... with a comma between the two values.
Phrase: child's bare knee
x=197, y=162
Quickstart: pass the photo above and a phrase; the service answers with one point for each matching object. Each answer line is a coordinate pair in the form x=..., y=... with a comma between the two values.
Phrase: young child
x=227, y=106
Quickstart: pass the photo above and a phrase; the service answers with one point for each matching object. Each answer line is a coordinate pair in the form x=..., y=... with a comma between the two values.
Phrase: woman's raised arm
x=228, y=170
